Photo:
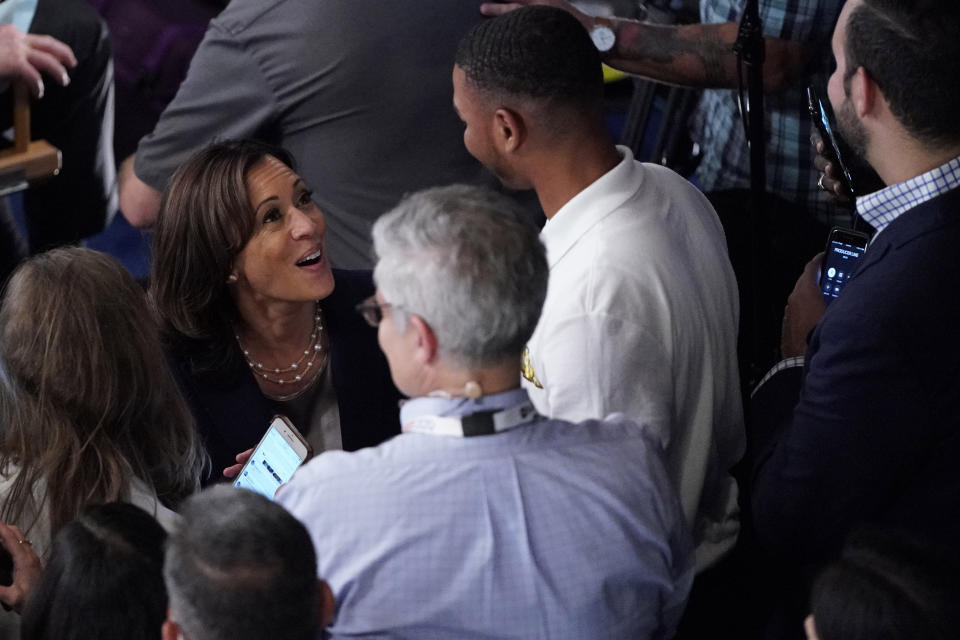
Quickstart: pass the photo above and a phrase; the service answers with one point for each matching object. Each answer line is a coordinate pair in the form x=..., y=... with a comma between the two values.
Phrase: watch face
x=603, y=38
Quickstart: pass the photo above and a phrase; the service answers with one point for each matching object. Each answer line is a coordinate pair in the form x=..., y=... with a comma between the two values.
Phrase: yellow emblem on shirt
x=526, y=368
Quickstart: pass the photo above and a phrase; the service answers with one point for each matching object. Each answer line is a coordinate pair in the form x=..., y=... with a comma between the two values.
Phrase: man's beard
x=851, y=129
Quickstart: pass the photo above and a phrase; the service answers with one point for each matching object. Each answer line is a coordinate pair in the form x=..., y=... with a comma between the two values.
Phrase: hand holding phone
x=845, y=249
x=280, y=452
x=234, y=470
x=20, y=566
x=828, y=152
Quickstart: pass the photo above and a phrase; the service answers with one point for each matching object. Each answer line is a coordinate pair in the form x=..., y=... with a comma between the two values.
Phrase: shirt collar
x=456, y=407
x=882, y=207
x=604, y=196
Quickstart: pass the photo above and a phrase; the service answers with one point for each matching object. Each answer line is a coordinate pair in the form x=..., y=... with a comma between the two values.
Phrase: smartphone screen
x=845, y=249
x=274, y=460
x=819, y=112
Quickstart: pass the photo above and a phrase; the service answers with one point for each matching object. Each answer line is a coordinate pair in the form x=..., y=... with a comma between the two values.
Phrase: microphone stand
x=750, y=51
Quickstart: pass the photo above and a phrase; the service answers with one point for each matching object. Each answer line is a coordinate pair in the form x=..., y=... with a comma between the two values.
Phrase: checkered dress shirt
x=882, y=207
x=717, y=126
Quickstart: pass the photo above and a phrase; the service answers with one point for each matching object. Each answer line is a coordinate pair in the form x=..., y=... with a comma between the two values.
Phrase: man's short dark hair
x=103, y=579
x=911, y=49
x=534, y=52
x=239, y=567
x=889, y=585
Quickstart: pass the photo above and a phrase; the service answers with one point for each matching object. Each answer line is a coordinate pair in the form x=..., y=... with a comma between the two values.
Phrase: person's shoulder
x=340, y=472
x=666, y=185
x=240, y=15
x=616, y=432
x=616, y=452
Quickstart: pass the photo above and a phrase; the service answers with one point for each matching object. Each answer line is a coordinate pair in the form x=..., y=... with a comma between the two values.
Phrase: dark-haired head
x=888, y=586
x=104, y=579
x=205, y=221
x=538, y=53
x=911, y=50
x=242, y=567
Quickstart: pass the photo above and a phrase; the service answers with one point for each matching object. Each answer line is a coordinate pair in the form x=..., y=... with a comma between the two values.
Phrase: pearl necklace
x=298, y=368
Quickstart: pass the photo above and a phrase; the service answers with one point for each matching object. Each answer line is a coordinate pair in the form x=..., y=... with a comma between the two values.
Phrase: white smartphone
x=281, y=450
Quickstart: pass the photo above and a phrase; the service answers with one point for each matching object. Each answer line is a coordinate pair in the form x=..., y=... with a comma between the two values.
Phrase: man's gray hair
x=470, y=263
x=239, y=567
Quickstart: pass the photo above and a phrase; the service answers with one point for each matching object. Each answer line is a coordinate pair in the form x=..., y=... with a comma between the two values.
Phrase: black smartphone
x=6, y=568
x=845, y=249
x=822, y=119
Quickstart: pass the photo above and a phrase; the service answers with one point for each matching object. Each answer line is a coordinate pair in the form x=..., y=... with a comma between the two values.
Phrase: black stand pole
x=750, y=50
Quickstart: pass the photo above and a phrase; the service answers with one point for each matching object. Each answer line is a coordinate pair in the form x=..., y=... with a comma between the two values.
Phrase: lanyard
x=481, y=423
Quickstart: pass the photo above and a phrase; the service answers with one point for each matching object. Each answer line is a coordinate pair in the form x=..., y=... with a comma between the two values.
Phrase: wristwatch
x=603, y=35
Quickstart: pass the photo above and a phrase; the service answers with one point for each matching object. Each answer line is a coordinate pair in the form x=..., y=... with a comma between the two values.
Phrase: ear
x=810, y=628
x=328, y=604
x=169, y=630
x=426, y=346
x=864, y=92
x=510, y=129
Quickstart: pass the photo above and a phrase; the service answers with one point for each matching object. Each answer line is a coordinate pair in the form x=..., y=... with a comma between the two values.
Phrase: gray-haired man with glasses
x=483, y=518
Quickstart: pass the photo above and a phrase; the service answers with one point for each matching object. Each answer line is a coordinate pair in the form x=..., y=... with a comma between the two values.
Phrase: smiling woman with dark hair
x=256, y=320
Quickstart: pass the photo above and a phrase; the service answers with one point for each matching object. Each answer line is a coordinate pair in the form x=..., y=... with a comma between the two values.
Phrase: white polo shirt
x=641, y=318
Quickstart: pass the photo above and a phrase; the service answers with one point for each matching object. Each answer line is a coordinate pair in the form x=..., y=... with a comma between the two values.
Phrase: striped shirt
x=717, y=126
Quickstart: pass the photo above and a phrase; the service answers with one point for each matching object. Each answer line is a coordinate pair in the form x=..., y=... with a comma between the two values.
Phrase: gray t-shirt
x=359, y=91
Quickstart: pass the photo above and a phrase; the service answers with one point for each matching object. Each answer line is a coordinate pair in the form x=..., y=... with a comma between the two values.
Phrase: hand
x=500, y=8
x=26, y=567
x=830, y=174
x=804, y=310
x=233, y=470
x=24, y=56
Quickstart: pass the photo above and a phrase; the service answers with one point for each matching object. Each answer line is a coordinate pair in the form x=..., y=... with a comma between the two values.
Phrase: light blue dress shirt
x=546, y=530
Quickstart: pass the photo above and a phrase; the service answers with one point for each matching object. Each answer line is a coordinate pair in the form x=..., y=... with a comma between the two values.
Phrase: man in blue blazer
x=868, y=430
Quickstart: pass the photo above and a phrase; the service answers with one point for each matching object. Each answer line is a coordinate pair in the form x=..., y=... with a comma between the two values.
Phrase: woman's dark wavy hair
x=888, y=586
x=205, y=220
x=104, y=579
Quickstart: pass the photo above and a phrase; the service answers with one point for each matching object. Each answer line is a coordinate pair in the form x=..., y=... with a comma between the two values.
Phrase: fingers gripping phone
x=280, y=452
x=822, y=117
x=845, y=249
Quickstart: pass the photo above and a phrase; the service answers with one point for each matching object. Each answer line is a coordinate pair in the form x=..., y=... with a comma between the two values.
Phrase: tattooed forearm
x=701, y=56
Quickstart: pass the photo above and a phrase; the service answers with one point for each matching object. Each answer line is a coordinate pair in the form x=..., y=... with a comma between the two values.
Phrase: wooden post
x=21, y=117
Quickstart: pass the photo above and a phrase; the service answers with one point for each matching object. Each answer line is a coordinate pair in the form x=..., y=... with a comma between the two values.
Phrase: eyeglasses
x=372, y=311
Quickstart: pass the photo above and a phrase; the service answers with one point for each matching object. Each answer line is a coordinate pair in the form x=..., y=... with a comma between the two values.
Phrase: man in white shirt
x=641, y=312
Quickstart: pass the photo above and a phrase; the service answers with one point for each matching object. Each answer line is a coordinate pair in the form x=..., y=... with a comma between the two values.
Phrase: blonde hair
x=88, y=401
